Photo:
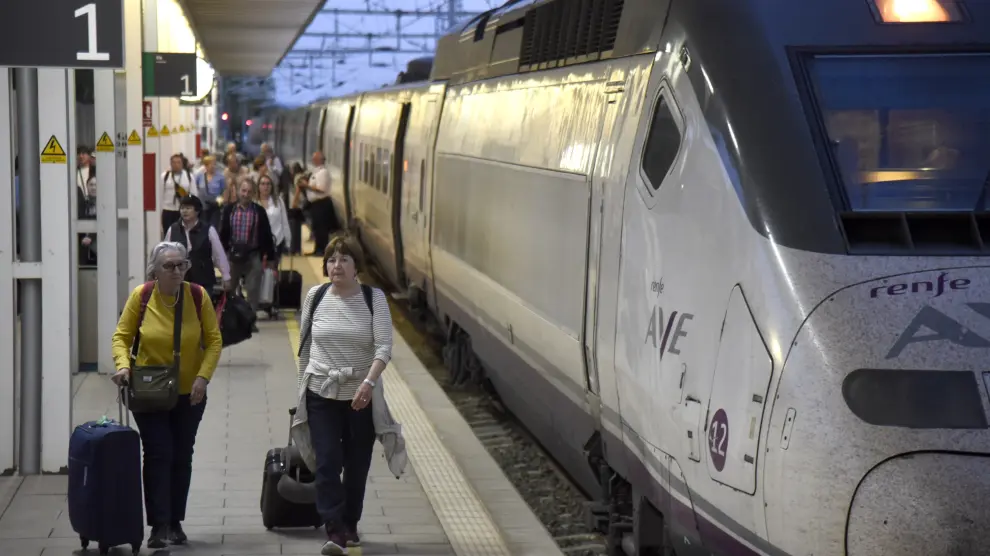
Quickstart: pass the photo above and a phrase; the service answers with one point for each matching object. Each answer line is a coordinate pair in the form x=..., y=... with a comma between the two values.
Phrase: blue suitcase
x=105, y=496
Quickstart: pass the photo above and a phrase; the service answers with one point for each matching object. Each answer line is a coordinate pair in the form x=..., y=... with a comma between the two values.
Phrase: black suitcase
x=288, y=494
x=288, y=294
x=105, y=497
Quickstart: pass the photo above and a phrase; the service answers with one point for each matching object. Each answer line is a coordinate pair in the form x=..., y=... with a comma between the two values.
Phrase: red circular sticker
x=718, y=439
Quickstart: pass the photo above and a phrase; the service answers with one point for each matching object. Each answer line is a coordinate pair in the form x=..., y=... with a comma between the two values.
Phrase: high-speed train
x=726, y=259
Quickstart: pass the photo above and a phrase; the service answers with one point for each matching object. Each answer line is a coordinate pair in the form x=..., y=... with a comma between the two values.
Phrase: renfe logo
x=938, y=287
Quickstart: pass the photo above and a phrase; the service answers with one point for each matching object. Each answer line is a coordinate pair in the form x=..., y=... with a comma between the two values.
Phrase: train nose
x=935, y=504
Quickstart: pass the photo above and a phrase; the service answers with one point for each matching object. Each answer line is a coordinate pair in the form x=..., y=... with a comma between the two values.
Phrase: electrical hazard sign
x=105, y=144
x=53, y=153
x=182, y=128
x=134, y=138
x=165, y=131
x=152, y=132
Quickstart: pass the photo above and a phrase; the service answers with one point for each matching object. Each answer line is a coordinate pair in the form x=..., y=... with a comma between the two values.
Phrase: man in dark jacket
x=202, y=243
x=246, y=236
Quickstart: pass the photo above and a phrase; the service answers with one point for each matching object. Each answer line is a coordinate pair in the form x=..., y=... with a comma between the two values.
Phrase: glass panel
x=908, y=133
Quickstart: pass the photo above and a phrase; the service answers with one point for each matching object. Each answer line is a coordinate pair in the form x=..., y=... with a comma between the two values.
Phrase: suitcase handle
x=121, y=403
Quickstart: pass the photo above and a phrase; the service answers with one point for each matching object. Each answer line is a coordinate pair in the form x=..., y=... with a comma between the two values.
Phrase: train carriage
x=725, y=258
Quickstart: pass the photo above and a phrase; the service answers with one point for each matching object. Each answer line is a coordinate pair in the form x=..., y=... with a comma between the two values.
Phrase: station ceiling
x=248, y=37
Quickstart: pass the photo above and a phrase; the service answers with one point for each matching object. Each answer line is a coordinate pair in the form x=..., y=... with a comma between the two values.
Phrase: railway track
x=547, y=489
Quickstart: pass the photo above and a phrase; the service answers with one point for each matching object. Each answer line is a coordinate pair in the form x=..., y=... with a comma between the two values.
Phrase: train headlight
x=918, y=11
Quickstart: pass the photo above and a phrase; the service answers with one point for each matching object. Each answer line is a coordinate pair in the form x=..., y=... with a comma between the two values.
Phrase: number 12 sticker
x=718, y=439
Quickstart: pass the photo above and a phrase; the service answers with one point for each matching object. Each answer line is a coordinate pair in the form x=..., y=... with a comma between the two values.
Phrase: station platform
x=453, y=498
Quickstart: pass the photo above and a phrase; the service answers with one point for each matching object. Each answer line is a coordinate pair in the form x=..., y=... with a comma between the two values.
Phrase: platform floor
x=453, y=498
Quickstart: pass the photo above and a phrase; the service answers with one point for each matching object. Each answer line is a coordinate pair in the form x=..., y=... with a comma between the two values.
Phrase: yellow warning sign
x=165, y=131
x=134, y=138
x=182, y=128
x=53, y=152
x=152, y=132
x=105, y=144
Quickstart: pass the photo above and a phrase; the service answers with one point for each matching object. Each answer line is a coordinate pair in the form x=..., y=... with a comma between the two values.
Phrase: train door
x=348, y=211
x=397, y=167
x=599, y=177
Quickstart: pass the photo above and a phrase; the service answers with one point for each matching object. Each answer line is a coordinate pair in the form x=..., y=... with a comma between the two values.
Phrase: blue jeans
x=168, y=438
x=343, y=440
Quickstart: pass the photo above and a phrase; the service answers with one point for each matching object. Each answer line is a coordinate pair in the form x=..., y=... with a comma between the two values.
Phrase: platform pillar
x=8, y=312
x=133, y=200
x=57, y=191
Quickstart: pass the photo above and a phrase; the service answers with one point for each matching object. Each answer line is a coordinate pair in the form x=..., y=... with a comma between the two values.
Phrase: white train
x=727, y=252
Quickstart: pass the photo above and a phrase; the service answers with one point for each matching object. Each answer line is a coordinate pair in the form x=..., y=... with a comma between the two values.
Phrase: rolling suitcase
x=105, y=497
x=288, y=496
x=288, y=293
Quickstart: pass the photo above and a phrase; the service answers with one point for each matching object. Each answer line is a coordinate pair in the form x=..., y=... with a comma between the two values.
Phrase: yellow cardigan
x=156, y=335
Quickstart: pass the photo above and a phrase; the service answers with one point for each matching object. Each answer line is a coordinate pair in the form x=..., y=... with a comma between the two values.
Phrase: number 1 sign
x=169, y=74
x=78, y=34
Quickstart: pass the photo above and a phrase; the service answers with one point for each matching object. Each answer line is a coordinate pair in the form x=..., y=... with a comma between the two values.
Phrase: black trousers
x=343, y=440
x=168, y=438
x=323, y=223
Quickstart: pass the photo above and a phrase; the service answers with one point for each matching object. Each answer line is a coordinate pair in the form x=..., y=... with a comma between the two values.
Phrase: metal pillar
x=136, y=228
x=152, y=145
x=30, y=234
x=8, y=316
x=106, y=215
x=57, y=247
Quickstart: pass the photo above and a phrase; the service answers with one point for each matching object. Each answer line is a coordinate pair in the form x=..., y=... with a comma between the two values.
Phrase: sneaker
x=351, y=536
x=336, y=544
x=176, y=534
x=159, y=534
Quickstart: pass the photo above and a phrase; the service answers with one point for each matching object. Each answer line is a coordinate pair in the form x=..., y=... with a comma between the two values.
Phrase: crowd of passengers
x=238, y=220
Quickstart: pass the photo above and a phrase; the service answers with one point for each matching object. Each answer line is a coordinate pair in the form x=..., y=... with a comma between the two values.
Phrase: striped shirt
x=345, y=334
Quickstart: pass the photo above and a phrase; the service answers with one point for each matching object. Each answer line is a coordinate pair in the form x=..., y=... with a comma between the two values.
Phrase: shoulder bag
x=156, y=388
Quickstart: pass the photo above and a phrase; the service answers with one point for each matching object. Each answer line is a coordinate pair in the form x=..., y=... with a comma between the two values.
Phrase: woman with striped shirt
x=350, y=343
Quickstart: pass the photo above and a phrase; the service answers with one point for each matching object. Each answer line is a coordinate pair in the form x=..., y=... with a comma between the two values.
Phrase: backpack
x=197, y=294
x=317, y=298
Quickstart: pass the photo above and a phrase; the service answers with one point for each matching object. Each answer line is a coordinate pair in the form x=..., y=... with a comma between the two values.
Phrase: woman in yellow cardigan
x=168, y=436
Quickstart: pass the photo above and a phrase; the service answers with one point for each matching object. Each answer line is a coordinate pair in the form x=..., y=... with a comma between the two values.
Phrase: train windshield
x=908, y=132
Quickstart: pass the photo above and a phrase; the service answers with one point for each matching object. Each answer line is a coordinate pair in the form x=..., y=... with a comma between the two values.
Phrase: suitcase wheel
x=135, y=548
x=85, y=542
x=104, y=549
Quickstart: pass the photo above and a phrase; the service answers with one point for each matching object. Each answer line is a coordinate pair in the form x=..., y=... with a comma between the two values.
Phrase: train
x=725, y=259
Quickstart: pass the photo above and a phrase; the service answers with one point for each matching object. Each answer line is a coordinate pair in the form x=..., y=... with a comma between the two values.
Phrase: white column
x=133, y=47
x=8, y=418
x=88, y=227
x=56, y=243
x=153, y=145
x=106, y=217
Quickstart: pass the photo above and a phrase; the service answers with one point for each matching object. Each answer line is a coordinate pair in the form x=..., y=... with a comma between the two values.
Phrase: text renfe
x=938, y=287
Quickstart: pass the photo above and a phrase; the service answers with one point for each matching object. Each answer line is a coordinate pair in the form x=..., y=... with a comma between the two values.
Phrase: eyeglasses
x=180, y=265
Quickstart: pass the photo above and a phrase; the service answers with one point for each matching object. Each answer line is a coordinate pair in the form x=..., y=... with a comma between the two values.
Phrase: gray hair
x=158, y=253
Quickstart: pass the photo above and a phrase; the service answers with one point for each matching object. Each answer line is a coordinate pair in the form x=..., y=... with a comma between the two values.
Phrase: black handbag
x=155, y=388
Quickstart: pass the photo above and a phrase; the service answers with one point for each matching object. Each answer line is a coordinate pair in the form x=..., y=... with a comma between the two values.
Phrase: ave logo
x=931, y=325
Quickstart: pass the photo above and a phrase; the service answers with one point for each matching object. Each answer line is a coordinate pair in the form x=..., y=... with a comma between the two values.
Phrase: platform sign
x=77, y=34
x=168, y=74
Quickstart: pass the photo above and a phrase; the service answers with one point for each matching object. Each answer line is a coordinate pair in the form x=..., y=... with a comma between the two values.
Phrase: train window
x=378, y=169
x=422, y=184
x=662, y=144
x=373, y=165
x=907, y=132
x=387, y=171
